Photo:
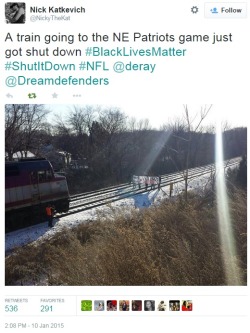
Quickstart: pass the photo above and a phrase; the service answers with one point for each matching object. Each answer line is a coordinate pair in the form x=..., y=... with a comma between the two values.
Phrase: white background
x=217, y=74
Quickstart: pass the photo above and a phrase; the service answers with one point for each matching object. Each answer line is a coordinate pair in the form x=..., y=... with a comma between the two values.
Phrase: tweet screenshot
x=125, y=152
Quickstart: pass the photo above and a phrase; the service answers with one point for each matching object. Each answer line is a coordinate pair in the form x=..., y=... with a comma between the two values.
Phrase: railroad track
x=89, y=200
x=94, y=199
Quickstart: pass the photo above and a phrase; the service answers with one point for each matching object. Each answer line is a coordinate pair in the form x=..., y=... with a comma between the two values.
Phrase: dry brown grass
x=173, y=244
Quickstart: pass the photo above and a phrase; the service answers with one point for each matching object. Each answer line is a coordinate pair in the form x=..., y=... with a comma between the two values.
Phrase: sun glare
x=154, y=153
x=231, y=269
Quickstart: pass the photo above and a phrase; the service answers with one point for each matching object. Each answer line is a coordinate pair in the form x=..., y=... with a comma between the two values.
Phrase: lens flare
x=154, y=152
x=232, y=272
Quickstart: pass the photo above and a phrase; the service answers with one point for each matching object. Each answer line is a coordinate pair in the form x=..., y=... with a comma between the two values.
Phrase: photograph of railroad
x=97, y=197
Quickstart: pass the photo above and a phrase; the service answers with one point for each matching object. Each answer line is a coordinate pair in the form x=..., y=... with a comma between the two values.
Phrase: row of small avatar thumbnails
x=136, y=305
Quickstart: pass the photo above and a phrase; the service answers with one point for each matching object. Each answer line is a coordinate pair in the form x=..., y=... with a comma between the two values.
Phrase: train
x=30, y=185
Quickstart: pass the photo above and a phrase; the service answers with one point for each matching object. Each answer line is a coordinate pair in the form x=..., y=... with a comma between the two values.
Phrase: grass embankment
x=172, y=244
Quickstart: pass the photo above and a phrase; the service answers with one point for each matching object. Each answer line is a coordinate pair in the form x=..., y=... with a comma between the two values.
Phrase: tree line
x=113, y=146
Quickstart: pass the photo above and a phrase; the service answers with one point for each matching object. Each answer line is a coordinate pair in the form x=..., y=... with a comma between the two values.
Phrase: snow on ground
x=41, y=232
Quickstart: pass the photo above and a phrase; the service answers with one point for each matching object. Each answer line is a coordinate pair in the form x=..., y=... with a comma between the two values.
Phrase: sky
x=234, y=115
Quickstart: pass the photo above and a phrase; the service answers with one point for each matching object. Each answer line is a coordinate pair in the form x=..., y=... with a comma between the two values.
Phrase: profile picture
x=161, y=306
x=136, y=305
x=111, y=305
x=174, y=305
x=99, y=305
x=15, y=12
x=149, y=305
x=86, y=305
x=124, y=305
x=187, y=306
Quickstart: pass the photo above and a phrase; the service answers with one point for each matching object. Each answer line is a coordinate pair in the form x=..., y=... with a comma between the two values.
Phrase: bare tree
x=81, y=118
x=14, y=120
x=138, y=125
x=184, y=131
x=112, y=120
x=60, y=126
x=104, y=139
x=35, y=121
x=22, y=125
